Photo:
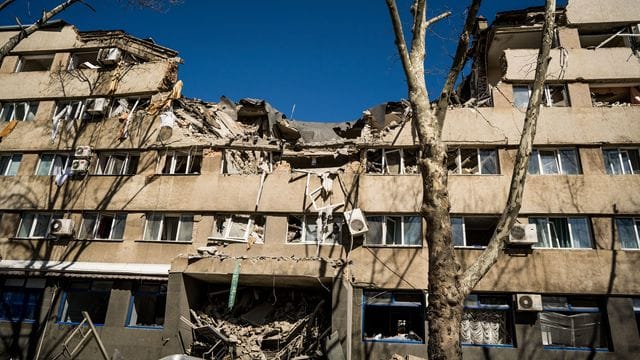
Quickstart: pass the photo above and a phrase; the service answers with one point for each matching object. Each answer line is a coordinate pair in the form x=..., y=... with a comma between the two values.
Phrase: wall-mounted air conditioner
x=356, y=222
x=109, y=56
x=61, y=227
x=523, y=234
x=528, y=302
x=82, y=152
x=96, y=106
x=79, y=166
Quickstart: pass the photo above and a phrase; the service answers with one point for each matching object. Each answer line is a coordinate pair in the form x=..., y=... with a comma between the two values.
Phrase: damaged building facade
x=224, y=229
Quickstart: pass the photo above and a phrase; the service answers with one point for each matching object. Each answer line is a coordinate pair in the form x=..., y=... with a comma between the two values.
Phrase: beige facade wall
x=582, y=12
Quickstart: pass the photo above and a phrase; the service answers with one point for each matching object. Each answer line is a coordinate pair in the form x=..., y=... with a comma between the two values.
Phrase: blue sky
x=331, y=58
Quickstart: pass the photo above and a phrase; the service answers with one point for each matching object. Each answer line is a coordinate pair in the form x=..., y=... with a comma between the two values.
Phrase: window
x=35, y=63
x=20, y=299
x=103, y=226
x=69, y=110
x=561, y=232
x=162, y=227
x=394, y=230
x=636, y=311
x=89, y=296
x=35, y=225
x=9, y=164
x=147, y=305
x=473, y=161
x=121, y=163
x=552, y=96
x=238, y=228
x=182, y=162
x=53, y=164
x=621, y=161
x=628, y=232
x=20, y=111
x=123, y=106
x=550, y=162
x=314, y=229
x=473, y=231
x=572, y=322
x=486, y=320
x=392, y=161
x=393, y=316
x=84, y=60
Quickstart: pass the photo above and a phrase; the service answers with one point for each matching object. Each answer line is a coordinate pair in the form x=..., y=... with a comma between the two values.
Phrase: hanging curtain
x=483, y=327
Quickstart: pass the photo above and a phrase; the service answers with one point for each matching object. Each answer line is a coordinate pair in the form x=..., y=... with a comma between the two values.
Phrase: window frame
x=636, y=231
x=393, y=303
x=549, y=231
x=12, y=158
x=140, y=102
x=63, y=309
x=127, y=168
x=99, y=216
x=28, y=288
x=51, y=215
x=190, y=154
x=228, y=220
x=464, y=231
x=458, y=161
x=21, y=61
x=535, y=156
x=385, y=163
x=67, y=163
x=546, y=100
x=383, y=231
x=473, y=302
x=162, y=291
x=79, y=106
x=14, y=105
x=608, y=166
x=162, y=224
x=305, y=218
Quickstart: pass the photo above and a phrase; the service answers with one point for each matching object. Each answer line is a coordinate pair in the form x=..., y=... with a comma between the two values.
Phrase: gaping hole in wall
x=246, y=162
x=35, y=63
x=261, y=323
x=393, y=316
x=319, y=161
x=615, y=95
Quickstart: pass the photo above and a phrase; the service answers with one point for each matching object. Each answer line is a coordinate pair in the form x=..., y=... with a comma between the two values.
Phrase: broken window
x=123, y=106
x=317, y=161
x=121, y=163
x=393, y=316
x=103, y=226
x=35, y=63
x=394, y=230
x=147, y=305
x=238, y=228
x=90, y=296
x=614, y=95
x=183, y=162
x=20, y=111
x=315, y=229
x=473, y=161
x=611, y=37
x=563, y=232
x=472, y=231
x=84, y=60
x=636, y=311
x=69, y=110
x=572, y=322
x=164, y=227
x=9, y=164
x=554, y=161
x=621, y=161
x=486, y=320
x=35, y=225
x=628, y=232
x=246, y=162
x=392, y=161
x=20, y=299
x=552, y=96
x=53, y=164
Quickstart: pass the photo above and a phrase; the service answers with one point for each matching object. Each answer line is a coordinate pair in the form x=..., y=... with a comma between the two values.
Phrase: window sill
x=32, y=238
x=105, y=175
x=164, y=242
x=395, y=341
x=18, y=321
x=101, y=240
x=569, y=348
x=376, y=174
x=392, y=246
x=469, y=247
x=487, y=345
x=75, y=323
x=139, y=327
x=475, y=174
x=561, y=248
x=314, y=243
x=194, y=174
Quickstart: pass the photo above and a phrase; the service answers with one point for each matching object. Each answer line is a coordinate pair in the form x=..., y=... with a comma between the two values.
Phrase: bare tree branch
x=458, y=63
x=400, y=42
x=435, y=19
x=5, y=3
x=418, y=35
x=489, y=257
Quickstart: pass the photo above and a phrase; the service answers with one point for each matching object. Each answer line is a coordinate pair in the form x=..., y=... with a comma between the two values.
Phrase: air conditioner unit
x=356, y=222
x=528, y=302
x=523, y=234
x=96, y=106
x=109, y=56
x=61, y=227
x=79, y=166
x=83, y=152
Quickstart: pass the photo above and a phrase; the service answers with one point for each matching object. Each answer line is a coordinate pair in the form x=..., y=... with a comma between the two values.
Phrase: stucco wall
x=597, y=11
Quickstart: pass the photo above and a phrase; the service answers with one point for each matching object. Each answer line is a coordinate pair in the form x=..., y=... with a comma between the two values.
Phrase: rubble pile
x=263, y=324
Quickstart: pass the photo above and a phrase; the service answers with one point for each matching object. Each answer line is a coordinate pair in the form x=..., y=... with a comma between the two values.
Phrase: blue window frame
x=636, y=311
x=20, y=299
x=90, y=296
x=393, y=316
x=147, y=306
x=574, y=323
x=487, y=320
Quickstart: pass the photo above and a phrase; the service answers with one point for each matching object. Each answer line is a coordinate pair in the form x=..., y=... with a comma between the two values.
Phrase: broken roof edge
x=99, y=35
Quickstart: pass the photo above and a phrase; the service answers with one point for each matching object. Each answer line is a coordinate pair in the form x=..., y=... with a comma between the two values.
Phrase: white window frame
x=385, y=163
x=12, y=159
x=479, y=160
x=636, y=231
x=162, y=224
x=63, y=106
x=228, y=220
x=402, y=232
x=324, y=239
x=99, y=217
x=20, y=64
x=171, y=155
x=573, y=241
x=67, y=163
x=134, y=103
x=28, y=105
x=535, y=156
x=546, y=94
x=34, y=225
x=109, y=164
x=621, y=161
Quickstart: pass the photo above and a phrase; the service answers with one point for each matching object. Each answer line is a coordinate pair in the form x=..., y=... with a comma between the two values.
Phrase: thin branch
x=458, y=63
x=435, y=19
x=400, y=42
x=481, y=266
x=418, y=34
x=5, y=3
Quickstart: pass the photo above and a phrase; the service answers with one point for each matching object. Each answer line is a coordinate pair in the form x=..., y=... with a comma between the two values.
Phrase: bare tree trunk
x=15, y=40
x=5, y=3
